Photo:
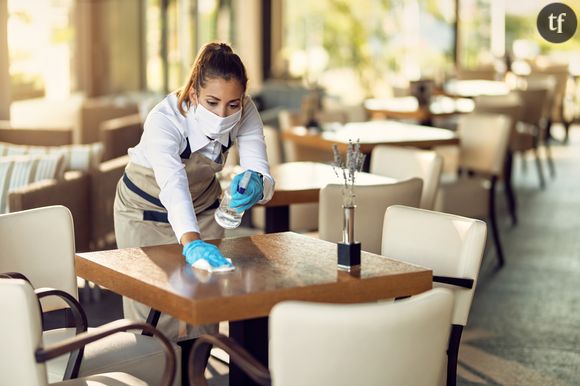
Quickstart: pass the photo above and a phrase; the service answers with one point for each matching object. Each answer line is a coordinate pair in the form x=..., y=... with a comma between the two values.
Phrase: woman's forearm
x=188, y=237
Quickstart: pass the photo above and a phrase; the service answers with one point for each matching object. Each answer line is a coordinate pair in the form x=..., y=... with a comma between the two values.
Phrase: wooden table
x=371, y=134
x=300, y=182
x=409, y=108
x=269, y=269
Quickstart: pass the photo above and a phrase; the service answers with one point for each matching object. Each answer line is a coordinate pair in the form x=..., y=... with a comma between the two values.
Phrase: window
x=175, y=30
x=359, y=49
x=41, y=48
x=475, y=34
x=522, y=38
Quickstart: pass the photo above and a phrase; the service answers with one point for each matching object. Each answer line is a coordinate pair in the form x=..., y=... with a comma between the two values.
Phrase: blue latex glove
x=199, y=249
x=253, y=193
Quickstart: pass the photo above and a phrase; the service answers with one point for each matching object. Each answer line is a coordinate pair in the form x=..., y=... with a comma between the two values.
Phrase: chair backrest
x=448, y=244
x=96, y=110
x=560, y=73
x=36, y=137
x=21, y=335
x=401, y=162
x=104, y=181
x=40, y=244
x=510, y=105
x=544, y=81
x=273, y=145
x=533, y=105
x=371, y=203
x=483, y=142
x=119, y=134
x=360, y=344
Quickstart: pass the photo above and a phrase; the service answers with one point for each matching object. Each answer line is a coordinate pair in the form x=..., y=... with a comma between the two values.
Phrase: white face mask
x=214, y=126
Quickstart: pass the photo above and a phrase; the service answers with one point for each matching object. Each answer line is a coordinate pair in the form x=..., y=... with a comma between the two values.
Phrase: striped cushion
x=21, y=170
x=49, y=166
x=16, y=150
x=76, y=157
x=5, y=172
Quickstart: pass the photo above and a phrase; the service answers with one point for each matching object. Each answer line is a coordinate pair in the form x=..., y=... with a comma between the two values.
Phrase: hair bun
x=224, y=47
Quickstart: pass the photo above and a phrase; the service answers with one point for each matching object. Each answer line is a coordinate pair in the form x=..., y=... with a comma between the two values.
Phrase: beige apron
x=141, y=220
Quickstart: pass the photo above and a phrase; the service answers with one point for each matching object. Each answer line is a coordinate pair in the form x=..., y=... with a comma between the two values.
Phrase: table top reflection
x=408, y=107
x=470, y=88
x=269, y=268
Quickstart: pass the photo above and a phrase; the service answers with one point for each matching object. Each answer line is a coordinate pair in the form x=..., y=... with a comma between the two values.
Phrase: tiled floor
x=524, y=327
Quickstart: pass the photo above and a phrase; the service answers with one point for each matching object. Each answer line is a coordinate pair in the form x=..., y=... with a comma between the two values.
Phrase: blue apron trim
x=215, y=205
x=187, y=152
x=135, y=189
x=151, y=215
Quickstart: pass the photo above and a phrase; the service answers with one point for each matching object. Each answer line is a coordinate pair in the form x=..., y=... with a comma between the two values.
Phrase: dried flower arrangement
x=352, y=163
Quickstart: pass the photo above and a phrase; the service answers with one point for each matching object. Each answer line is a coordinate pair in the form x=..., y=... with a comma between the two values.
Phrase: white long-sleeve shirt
x=164, y=139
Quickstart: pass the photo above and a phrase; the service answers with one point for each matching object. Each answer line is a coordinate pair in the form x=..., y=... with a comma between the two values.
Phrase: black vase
x=348, y=250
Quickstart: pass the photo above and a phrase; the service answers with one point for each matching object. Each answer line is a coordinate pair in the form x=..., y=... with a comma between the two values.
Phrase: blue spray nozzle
x=244, y=182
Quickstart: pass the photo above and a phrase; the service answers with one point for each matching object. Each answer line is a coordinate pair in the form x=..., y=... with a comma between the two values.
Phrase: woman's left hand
x=254, y=192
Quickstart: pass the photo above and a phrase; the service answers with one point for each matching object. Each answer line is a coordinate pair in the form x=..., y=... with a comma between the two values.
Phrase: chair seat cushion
x=109, y=379
x=135, y=354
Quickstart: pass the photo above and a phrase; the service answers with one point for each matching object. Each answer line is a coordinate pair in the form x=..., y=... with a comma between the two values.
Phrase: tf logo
x=557, y=22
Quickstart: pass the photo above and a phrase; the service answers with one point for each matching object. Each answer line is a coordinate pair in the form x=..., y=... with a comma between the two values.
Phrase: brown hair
x=215, y=60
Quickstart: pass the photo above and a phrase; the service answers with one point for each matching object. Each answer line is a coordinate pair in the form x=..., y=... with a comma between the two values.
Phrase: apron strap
x=187, y=152
x=144, y=195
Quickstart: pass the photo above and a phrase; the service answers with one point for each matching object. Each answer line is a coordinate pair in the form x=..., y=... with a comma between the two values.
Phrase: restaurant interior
x=423, y=228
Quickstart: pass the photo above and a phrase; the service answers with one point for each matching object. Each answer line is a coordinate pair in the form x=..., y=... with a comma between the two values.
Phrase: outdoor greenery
x=368, y=44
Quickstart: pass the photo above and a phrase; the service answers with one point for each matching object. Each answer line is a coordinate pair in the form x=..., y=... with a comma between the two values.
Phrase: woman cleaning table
x=169, y=191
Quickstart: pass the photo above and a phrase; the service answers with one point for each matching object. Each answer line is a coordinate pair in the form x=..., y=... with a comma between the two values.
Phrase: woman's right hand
x=199, y=249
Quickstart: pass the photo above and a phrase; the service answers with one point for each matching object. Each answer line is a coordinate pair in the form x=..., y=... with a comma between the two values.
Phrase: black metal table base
x=252, y=334
x=277, y=219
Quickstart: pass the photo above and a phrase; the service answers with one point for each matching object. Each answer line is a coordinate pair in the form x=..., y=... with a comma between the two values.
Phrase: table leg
x=427, y=120
x=252, y=334
x=508, y=187
x=367, y=163
x=277, y=219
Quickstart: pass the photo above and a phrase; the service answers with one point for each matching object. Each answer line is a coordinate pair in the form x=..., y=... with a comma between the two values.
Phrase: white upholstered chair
x=452, y=246
x=24, y=354
x=520, y=140
x=39, y=244
x=534, y=121
x=371, y=203
x=401, y=162
x=483, y=147
x=367, y=344
x=559, y=107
